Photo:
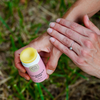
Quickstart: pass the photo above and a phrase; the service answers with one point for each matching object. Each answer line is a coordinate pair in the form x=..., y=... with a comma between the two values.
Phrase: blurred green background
x=22, y=21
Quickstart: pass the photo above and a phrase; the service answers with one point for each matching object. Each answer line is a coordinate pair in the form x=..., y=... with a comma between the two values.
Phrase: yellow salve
x=28, y=55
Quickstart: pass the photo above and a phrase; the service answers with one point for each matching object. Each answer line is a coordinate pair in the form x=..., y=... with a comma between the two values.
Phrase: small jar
x=33, y=64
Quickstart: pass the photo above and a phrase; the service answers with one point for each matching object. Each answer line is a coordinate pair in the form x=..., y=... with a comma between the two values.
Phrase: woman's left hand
x=80, y=44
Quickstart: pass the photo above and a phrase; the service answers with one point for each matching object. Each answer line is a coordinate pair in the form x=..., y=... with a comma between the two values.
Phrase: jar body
x=36, y=70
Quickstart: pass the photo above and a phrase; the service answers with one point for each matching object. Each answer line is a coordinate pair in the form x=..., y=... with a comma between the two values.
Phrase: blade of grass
x=23, y=89
x=20, y=42
x=5, y=24
x=21, y=18
x=74, y=80
x=36, y=92
x=77, y=73
x=31, y=91
x=20, y=94
x=62, y=4
x=67, y=89
x=62, y=7
x=63, y=64
x=20, y=14
x=47, y=91
x=10, y=7
x=16, y=2
x=58, y=75
x=1, y=39
x=45, y=20
x=69, y=4
x=38, y=28
x=13, y=43
x=40, y=91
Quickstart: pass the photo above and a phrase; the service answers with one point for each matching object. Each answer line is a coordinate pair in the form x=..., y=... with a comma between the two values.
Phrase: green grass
x=20, y=89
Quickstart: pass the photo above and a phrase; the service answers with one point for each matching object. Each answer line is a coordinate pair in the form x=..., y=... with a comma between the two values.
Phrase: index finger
x=74, y=26
x=17, y=62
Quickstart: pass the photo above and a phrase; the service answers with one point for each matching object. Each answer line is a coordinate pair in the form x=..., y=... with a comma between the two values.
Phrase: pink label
x=37, y=72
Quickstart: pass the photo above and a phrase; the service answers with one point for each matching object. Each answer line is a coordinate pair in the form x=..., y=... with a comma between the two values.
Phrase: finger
x=64, y=49
x=90, y=25
x=26, y=76
x=20, y=67
x=47, y=77
x=64, y=40
x=17, y=62
x=53, y=61
x=67, y=32
x=74, y=26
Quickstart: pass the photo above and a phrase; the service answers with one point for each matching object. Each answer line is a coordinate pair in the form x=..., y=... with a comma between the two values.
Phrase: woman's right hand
x=45, y=49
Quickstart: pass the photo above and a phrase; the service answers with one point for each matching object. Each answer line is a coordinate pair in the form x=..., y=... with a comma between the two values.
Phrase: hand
x=45, y=49
x=85, y=43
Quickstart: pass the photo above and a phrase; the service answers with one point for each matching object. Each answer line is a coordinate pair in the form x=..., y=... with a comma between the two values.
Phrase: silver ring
x=71, y=46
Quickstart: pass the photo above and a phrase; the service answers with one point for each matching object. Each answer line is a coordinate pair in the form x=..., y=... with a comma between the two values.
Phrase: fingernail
x=87, y=20
x=49, y=30
x=87, y=17
x=49, y=72
x=58, y=20
x=52, y=39
x=52, y=24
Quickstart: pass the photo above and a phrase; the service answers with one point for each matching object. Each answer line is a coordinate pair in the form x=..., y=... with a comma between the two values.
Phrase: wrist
x=42, y=42
x=73, y=14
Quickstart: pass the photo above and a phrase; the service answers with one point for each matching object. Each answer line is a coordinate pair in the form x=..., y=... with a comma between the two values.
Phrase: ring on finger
x=71, y=45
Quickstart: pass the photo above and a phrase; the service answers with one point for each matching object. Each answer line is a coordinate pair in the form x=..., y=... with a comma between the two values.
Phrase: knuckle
x=66, y=41
x=51, y=66
x=88, y=44
x=84, y=53
x=65, y=50
x=68, y=32
x=80, y=61
x=56, y=43
x=62, y=21
x=73, y=25
x=93, y=36
x=21, y=74
x=57, y=26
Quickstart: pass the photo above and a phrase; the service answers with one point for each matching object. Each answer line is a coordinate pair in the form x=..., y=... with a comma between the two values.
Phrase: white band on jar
x=32, y=63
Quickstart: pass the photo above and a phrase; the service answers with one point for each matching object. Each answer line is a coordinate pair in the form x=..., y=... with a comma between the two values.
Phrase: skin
x=86, y=48
x=81, y=8
x=42, y=43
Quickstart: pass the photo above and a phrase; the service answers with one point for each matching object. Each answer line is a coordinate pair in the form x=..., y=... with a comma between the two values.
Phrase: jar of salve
x=33, y=64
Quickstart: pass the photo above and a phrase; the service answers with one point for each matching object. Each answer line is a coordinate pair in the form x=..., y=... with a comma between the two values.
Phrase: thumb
x=53, y=61
x=90, y=25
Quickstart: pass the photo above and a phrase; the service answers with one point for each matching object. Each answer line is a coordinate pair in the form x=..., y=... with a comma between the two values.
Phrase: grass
x=19, y=27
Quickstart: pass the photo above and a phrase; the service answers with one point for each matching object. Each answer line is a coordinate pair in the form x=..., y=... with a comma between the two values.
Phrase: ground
x=21, y=22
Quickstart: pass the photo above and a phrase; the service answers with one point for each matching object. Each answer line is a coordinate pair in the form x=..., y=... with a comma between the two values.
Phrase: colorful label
x=34, y=68
x=37, y=72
